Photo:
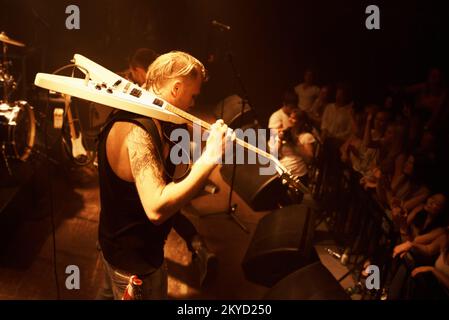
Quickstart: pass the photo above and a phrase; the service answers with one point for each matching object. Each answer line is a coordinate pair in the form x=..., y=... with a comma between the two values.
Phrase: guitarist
x=139, y=200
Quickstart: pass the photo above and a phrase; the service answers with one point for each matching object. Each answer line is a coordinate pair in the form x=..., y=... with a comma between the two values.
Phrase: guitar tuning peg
x=284, y=181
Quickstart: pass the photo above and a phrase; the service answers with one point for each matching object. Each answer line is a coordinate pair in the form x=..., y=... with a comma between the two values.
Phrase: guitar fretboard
x=187, y=116
x=207, y=126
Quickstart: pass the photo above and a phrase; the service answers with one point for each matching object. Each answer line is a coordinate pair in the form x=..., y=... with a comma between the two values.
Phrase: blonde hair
x=172, y=65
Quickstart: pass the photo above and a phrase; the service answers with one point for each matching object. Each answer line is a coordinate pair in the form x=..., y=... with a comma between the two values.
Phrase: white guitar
x=105, y=87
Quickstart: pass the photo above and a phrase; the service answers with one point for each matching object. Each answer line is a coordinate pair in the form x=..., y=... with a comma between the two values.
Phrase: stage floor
x=26, y=258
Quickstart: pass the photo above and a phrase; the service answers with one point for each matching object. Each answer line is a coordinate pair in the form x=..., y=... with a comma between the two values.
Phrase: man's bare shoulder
x=117, y=152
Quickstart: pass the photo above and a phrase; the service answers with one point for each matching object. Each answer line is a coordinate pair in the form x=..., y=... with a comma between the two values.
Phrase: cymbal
x=4, y=38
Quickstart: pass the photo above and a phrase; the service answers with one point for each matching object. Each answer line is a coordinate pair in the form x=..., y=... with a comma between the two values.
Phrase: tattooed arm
x=160, y=200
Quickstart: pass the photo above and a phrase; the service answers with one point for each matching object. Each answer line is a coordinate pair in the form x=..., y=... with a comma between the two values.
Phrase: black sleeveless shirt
x=129, y=240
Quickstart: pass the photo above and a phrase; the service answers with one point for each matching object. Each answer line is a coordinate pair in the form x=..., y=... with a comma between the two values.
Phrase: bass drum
x=17, y=129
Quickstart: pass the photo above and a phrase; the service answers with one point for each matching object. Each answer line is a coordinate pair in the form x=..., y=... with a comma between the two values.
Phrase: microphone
x=220, y=25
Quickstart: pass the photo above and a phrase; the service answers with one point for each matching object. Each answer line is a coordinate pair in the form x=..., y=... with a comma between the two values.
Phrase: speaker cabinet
x=313, y=282
x=260, y=192
x=282, y=243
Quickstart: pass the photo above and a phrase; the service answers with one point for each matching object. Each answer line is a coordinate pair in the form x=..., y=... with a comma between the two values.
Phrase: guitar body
x=78, y=149
x=72, y=140
x=74, y=150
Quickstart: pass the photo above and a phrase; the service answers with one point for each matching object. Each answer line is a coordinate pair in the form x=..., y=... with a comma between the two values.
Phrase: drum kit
x=17, y=120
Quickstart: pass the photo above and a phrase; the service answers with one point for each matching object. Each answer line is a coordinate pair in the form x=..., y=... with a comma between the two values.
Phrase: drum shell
x=12, y=125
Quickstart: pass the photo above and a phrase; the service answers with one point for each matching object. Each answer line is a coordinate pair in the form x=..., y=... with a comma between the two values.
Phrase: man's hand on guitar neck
x=219, y=140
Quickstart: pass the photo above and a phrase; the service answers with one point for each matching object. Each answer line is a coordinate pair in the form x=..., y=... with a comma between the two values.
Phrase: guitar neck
x=67, y=101
x=187, y=116
x=207, y=126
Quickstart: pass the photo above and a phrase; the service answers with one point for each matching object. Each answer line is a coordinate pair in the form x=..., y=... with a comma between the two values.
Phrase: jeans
x=154, y=286
x=185, y=228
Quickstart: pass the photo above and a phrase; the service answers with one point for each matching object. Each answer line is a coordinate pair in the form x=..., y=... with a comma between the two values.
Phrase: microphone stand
x=232, y=208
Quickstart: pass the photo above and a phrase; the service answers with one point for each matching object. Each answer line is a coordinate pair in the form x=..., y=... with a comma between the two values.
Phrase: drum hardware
x=5, y=158
x=17, y=119
x=5, y=76
x=5, y=39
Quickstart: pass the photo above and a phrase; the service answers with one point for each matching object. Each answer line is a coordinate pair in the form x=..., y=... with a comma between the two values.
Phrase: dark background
x=272, y=42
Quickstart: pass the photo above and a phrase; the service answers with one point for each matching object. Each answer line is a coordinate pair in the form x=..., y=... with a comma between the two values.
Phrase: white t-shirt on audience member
x=278, y=120
x=307, y=96
x=290, y=157
x=337, y=121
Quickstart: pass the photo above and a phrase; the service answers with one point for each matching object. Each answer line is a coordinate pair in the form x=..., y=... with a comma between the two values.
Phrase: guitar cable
x=52, y=213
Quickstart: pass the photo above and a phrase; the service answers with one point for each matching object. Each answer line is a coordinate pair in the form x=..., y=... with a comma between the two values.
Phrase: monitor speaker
x=260, y=192
x=282, y=243
x=312, y=282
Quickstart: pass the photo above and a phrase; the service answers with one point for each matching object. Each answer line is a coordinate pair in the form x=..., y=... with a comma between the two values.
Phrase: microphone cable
x=50, y=184
x=52, y=213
